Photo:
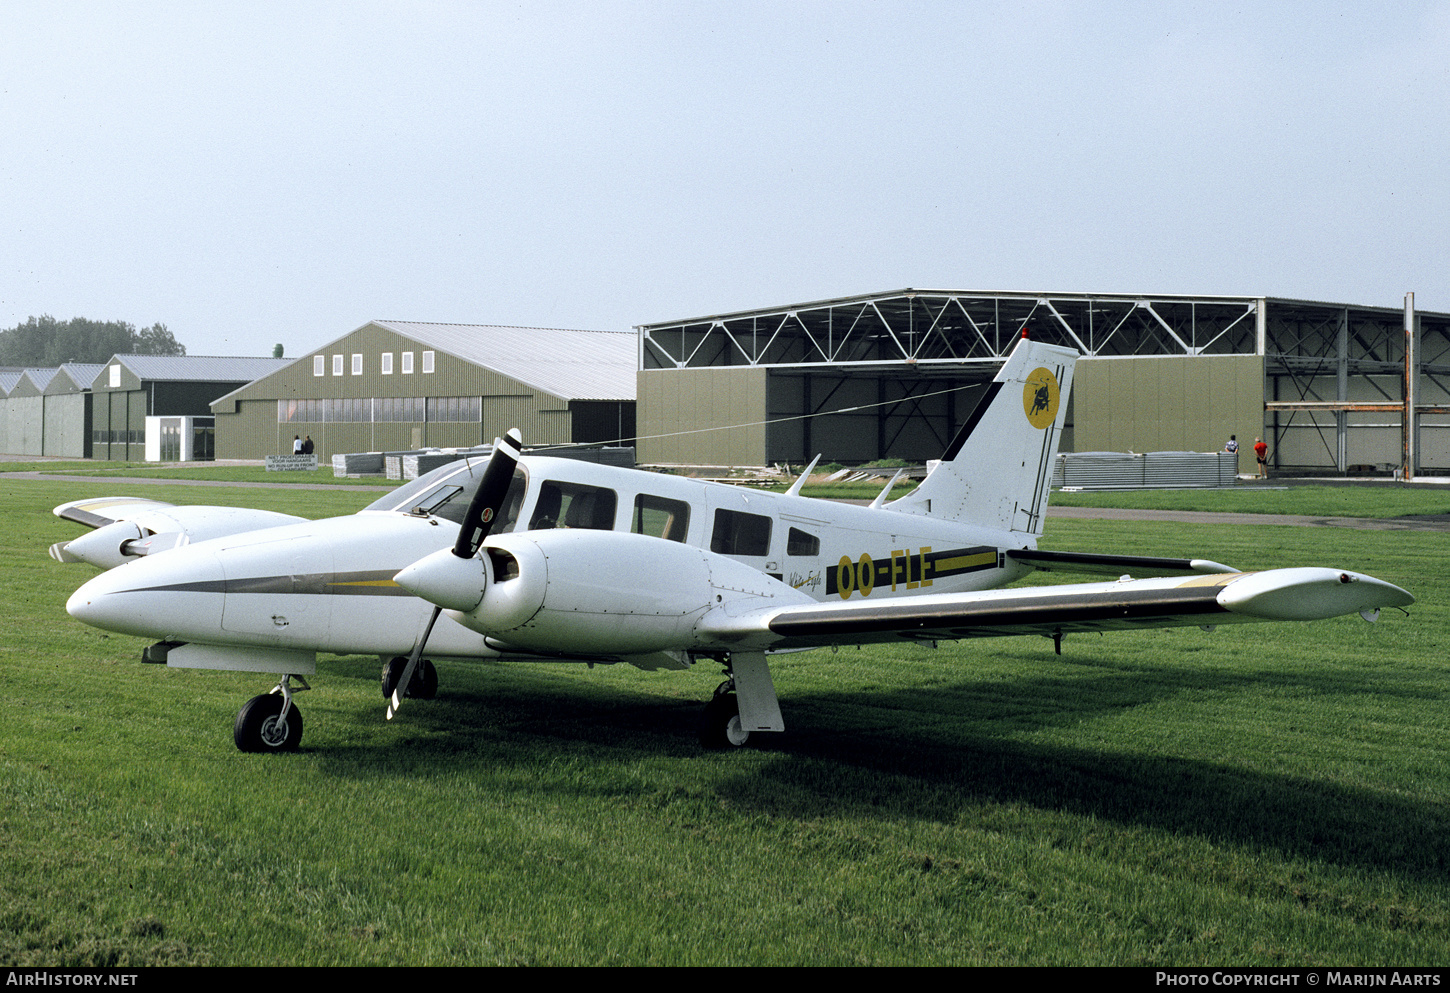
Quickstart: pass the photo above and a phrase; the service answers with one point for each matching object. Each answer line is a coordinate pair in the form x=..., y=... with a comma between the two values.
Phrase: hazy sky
x=252, y=173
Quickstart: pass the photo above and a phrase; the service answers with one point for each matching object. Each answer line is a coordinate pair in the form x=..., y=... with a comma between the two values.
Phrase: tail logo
x=1040, y=396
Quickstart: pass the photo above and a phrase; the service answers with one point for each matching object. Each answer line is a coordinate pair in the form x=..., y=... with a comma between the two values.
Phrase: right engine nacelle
x=591, y=593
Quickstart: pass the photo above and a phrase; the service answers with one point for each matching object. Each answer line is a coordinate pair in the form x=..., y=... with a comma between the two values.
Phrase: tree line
x=44, y=342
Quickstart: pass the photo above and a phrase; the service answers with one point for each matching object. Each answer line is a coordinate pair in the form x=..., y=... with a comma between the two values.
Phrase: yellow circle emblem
x=1040, y=396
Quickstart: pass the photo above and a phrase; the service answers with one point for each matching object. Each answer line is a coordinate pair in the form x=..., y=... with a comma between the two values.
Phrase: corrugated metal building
x=129, y=388
x=9, y=377
x=25, y=412
x=401, y=385
x=68, y=410
x=893, y=375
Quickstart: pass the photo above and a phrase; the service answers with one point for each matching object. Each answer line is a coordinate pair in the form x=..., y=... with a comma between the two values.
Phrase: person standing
x=1261, y=452
x=296, y=444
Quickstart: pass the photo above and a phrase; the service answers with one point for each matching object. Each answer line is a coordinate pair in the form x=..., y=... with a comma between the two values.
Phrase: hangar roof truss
x=954, y=328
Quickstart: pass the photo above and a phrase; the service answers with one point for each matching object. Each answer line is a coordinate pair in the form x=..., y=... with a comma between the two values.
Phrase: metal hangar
x=401, y=385
x=893, y=374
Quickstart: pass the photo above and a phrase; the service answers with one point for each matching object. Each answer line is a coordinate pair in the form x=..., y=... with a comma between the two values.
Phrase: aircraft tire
x=425, y=680
x=260, y=727
x=720, y=724
x=392, y=670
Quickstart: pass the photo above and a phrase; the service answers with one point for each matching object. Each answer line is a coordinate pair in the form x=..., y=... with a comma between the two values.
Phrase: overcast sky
x=253, y=173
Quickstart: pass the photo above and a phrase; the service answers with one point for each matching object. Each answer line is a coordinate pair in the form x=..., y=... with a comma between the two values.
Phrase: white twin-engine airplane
x=547, y=559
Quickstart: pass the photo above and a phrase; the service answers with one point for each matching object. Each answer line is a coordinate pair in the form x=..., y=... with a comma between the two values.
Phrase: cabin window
x=319, y=365
x=738, y=533
x=661, y=518
x=798, y=542
x=357, y=364
x=427, y=362
x=407, y=363
x=387, y=364
x=337, y=365
x=570, y=505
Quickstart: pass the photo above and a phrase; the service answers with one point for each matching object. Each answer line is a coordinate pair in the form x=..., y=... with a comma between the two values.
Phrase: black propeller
x=482, y=513
x=488, y=499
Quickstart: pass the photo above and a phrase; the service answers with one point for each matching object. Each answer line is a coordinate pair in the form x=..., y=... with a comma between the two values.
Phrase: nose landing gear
x=271, y=722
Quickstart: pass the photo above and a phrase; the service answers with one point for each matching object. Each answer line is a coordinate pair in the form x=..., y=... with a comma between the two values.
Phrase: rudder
x=998, y=469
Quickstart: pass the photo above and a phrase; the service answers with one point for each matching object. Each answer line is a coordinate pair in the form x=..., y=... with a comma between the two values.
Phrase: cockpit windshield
x=446, y=492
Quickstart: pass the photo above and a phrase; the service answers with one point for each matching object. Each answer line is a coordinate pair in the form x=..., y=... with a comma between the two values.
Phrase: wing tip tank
x=1309, y=594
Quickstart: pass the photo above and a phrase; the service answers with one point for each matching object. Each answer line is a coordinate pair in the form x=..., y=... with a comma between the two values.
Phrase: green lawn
x=1315, y=501
x=1256, y=795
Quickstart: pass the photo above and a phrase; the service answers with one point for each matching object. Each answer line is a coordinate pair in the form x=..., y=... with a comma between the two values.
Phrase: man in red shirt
x=1261, y=452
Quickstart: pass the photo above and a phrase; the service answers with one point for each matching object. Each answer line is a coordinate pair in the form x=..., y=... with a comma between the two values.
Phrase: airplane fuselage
x=327, y=586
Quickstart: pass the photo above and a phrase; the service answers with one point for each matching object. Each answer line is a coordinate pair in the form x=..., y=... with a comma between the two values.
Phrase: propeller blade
x=404, y=681
x=478, y=521
x=488, y=500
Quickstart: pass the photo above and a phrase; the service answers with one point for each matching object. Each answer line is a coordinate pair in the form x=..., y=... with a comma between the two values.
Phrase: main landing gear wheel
x=425, y=679
x=263, y=727
x=720, y=723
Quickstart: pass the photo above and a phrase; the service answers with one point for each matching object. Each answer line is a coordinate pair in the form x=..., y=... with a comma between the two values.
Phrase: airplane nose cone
x=444, y=579
x=171, y=597
x=105, y=602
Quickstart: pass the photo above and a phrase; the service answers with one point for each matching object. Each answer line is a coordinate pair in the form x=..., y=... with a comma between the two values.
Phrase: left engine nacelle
x=160, y=527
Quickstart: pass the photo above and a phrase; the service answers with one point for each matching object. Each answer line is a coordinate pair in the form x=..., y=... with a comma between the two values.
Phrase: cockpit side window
x=661, y=517
x=571, y=505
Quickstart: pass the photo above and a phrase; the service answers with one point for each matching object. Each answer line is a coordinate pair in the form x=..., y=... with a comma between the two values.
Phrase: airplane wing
x=130, y=527
x=1273, y=595
x=97, y=512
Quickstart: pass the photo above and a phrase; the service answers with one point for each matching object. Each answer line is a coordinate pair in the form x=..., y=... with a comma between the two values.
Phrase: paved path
x=99, y=480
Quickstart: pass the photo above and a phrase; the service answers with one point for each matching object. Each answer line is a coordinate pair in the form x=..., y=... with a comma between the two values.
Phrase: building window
x=115, y=371
x=456, y=409
x=407, y=363
x=427, y=362
x=357, y=364
x=337, y=365
x=387, y=363
x=319, y=365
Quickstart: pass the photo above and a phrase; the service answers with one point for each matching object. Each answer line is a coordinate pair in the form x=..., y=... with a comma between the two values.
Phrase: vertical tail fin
x=997, y=470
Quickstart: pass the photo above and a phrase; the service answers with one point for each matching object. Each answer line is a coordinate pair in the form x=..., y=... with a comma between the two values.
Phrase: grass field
x=1317, y=501
x=1271, y=794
